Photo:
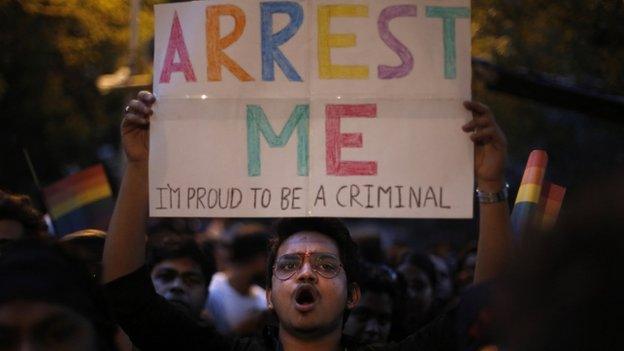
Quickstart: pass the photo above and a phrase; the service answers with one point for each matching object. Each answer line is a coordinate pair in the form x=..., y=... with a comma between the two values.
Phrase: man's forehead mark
x=307, y=239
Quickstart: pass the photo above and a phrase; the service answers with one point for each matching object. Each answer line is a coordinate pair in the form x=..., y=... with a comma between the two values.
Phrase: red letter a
x=176, y=44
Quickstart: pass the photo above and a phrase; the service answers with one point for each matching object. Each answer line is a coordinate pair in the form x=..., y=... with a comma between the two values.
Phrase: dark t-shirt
x=153, y=324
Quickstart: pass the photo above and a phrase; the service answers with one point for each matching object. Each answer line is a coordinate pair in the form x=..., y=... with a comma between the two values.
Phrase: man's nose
x=372, y=326
x=178, y=284
x=306, y=273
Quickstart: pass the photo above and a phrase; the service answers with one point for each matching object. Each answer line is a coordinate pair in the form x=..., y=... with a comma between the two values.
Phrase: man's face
x=444, y=287
x=308, y=304
x=370, y=321
x=34, y=325
x=181, y=282
x=419, y=293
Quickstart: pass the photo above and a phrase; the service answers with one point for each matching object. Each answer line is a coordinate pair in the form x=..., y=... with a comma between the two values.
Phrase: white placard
x=311, y=108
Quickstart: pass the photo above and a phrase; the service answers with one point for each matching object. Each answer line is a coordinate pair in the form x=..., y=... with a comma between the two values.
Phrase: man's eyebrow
x=325, y=254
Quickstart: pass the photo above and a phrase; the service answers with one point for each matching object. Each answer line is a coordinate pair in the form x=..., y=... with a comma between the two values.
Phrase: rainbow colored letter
x=257, y=123
x=334, y=140
x=326, y=41
x=448, y=15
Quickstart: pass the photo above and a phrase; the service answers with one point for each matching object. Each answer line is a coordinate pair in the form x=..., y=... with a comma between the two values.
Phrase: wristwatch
x=491, y=198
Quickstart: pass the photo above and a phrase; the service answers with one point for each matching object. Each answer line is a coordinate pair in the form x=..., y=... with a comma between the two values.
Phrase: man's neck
x=329, y=342
x=239, y=280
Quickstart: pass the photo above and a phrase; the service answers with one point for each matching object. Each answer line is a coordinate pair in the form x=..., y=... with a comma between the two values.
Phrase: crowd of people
x=302, y=283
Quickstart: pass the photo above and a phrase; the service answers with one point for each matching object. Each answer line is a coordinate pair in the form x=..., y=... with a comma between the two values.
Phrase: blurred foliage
x=580, y=41
x=574, y=42
x=51, y=53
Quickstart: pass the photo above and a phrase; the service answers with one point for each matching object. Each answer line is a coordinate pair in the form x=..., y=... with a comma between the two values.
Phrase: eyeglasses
x=325, y=264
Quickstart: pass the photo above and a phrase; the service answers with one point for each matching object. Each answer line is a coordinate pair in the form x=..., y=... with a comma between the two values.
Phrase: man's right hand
x=135, y=127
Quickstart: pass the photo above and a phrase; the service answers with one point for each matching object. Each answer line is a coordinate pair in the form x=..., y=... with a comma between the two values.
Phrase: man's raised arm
x=124, y=251
x=494, y=246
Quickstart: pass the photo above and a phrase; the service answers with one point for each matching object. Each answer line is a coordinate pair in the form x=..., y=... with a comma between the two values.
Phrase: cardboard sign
x=311, y=108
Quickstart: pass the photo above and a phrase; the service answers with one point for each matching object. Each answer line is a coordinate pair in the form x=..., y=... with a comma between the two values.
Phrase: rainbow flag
x=82, y=200
x=538, y=202
x=528, y=197
x=551, y=200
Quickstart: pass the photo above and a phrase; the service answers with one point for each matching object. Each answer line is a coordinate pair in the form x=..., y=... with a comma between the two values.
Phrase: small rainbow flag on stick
x=538, y=202
x=82, y=200
x=550, y=204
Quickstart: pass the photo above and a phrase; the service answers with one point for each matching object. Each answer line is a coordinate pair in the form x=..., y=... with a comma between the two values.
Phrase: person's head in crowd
x=180, y=271
x=443, y=289
x=246, y=251
x=19, y=219
x=396, y=251
x=88, y=245
x=466, y=263
x=369, y=246
x=564, y=287
x=48, y=301
x=371, y=321
x=420, y=277
x=313, y=276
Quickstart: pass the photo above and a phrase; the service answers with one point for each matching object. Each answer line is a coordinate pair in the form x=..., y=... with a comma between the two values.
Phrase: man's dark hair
x=423, y=262
x=173, y=246
x=20, y=208
x=247, y=242
x=42, y=270
x=380, y=279
x=330, y=227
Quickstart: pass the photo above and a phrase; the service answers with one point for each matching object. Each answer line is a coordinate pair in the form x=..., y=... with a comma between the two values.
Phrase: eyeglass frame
x=302, y=256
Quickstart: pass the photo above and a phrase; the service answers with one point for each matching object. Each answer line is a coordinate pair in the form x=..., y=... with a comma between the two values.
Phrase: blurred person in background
x=421, y=280
x=464, y=274
x=180, y=272
x=380, y=306
x=370, y=248
x=49, y=301
x=88, y=245
x=19, y=219
x=236, y=299
x=561, y=292
x=443, y=288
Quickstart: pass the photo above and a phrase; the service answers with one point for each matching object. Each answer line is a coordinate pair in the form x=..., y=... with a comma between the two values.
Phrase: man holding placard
x=298, y=109
x=310, y=268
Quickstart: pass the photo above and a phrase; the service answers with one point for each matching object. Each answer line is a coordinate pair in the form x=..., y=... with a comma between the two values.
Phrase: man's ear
x=353, y=295
x=268, y=299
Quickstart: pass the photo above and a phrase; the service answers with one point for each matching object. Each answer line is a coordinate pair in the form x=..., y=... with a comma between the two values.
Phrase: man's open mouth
x=306, y=297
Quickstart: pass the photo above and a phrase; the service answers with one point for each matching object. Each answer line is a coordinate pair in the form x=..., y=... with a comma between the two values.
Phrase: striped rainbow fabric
x=530, y=191
x=550, y=204
x=79, y=201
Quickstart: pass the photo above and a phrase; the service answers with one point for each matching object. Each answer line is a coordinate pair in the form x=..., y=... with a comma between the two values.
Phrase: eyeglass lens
x=327, y=265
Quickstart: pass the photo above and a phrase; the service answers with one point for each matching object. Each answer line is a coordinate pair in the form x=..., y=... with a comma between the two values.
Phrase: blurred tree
x=51, y=52
x=579, y=41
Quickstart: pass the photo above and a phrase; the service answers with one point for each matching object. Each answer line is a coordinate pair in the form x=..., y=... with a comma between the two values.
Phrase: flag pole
x=40, y=196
